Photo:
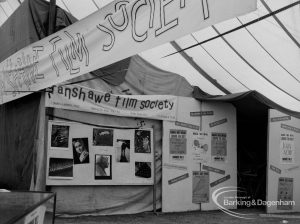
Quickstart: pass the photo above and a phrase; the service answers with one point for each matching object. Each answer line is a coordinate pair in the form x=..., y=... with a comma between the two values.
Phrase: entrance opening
x=252, y=130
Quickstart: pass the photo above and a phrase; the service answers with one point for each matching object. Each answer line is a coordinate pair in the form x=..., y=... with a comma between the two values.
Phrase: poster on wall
x=142, y=141
x=219, y=147
x=285, y=193
x=200, y=147
x=200, y=187
x=60, y=168
x=103, y=137
x=80, y=150
x=287, y=149
x=103, y=167
x=178, y=145
x=123, y=151
x=60, y=136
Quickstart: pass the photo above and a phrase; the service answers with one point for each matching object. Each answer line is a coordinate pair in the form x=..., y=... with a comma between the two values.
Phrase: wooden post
x=52, y=17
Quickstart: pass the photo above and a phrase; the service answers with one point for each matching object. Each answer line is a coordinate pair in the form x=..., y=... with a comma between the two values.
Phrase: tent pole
x=154, y=171
x=52, y=17
x=198, y=69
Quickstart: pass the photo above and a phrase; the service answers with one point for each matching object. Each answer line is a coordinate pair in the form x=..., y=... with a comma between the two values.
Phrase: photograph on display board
x=142, y=140
x=103, y=137
x=143, y=169
x=123, y=151
x=103, y=167
x=60, y=168
x=60, y=136
x=80, y=150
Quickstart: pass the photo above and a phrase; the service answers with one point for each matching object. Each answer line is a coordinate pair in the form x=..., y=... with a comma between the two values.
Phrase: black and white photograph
x=103, y=137
x=143, y=169
x=60, y=168
x=103, y=167
x=60, y=136
x=80, y=150
x=142, y=140
x=123, y=151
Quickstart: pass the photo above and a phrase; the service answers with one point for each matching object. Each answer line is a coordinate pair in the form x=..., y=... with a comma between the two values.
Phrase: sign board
x=117, y=31
x=80, y=154
x=80, y=98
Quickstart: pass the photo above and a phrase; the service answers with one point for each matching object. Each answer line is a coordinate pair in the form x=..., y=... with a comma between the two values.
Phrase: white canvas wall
x=281, y=127
x=178, y=196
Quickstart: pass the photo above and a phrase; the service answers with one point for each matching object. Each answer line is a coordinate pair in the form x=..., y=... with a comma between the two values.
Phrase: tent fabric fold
x=248, y=102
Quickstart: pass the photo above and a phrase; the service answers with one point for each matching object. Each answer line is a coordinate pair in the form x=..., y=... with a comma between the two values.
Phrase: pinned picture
x=60, y=168
x=80, y=150
x=103, y=167
x=142, y=141
x=143, y=169
x=123, y=151
x=60, y=136
x=103, y=137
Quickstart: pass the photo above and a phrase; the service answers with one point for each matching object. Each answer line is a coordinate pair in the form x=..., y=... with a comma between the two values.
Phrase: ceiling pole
x=52, y=17
x=198, y=68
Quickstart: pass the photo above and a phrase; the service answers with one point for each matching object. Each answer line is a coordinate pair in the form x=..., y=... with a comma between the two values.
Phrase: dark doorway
x=252, y=130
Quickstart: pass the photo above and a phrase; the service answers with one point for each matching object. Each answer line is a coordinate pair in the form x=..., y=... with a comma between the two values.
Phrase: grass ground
x=211, y=217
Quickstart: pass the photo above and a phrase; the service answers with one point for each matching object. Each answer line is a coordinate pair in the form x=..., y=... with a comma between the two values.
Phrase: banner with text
x=80, y=98
x=117, y=31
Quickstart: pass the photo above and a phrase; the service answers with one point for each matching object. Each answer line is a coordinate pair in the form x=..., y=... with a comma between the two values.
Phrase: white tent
x=263, y=56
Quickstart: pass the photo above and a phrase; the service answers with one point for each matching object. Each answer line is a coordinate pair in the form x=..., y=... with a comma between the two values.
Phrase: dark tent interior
x=252, y=129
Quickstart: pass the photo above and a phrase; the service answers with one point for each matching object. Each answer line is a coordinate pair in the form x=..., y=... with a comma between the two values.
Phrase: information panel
x=80, y=154
x=199, y=156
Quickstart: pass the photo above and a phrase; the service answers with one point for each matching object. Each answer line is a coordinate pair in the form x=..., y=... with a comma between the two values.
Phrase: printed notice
x=200, y=187
x=287, y=149
x=200, y=146
x=182, y=177
x=219, y=147
x=285, y=193
x=177, y=145
x=186, y=125
x=283, y=118
x=219, y=122
x=275, y=169
x=223, y=179
x=213, y=169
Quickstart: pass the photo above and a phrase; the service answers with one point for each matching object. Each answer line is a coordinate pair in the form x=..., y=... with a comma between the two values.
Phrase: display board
x=283, y=163
x=80, y=154
x=199, y=156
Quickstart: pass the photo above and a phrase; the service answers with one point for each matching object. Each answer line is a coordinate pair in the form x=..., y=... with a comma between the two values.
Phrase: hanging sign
x=117, y=31
x=75, y=97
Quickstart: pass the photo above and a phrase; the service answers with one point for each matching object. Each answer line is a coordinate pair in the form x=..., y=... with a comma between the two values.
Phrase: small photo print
x=103, y=167
x=143, y=169
x=60, y=136
x=80, y=150
x=103, y=137
x=60, y=168
x=142, y=140
x=123, y=151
